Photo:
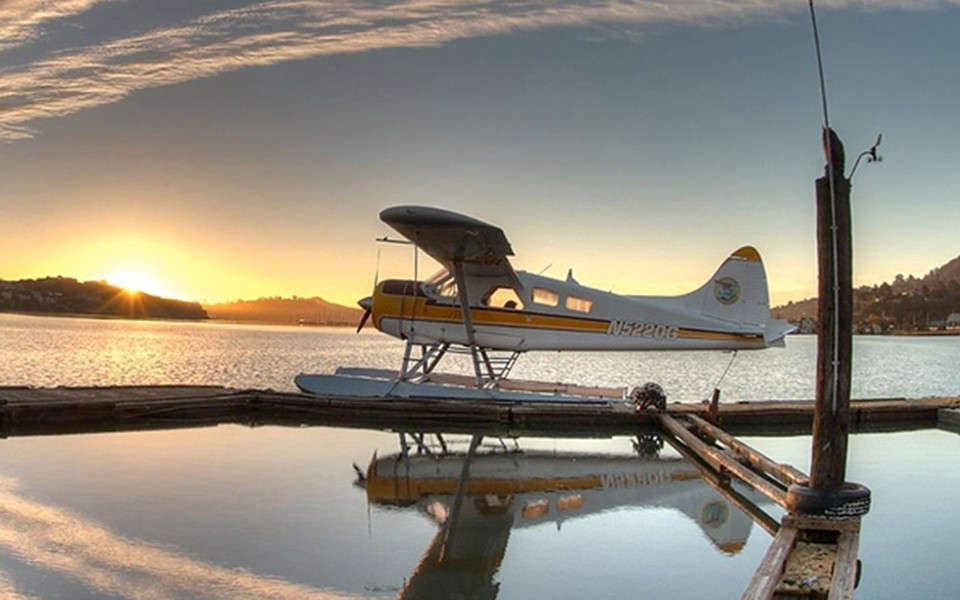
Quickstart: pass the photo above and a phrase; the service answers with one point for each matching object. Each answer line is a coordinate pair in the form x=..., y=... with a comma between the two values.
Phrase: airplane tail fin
x=737, y=293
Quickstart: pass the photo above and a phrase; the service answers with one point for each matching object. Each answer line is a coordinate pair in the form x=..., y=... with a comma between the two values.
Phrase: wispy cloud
x=274, y=31
x=51, y=538
x=8, y=591
x=22, y=21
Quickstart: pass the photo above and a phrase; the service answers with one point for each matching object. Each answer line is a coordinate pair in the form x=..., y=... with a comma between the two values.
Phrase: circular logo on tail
x=726, y=290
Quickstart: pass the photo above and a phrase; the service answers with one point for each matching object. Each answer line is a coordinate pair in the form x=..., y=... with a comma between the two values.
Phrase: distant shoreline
x=950, y=333
x=946, y=333
x=97, y=316
x=279, y=323
x=106, y=317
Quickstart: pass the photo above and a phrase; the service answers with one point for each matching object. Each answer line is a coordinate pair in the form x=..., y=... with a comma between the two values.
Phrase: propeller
x=367, y=305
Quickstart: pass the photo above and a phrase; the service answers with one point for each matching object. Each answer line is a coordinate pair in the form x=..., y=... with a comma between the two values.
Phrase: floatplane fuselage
x=479, y=304
x=730, y=312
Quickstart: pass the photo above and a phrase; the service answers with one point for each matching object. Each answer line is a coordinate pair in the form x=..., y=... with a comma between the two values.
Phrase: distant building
x=807, y=325
x=953, y=321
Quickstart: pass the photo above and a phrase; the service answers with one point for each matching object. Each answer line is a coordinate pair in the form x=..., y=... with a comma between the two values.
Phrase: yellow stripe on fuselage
x=398, y=306
x=700, y=334
x=406, y=307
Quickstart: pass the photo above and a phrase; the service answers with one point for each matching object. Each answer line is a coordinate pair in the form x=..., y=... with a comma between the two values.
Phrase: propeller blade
x=363, y=320
x=367, y=305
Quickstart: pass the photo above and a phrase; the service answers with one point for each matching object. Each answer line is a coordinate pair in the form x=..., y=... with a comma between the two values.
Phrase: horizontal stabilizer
x=775, y=332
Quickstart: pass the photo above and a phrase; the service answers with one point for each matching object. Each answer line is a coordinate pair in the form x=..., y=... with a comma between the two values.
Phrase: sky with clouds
x=233, y=148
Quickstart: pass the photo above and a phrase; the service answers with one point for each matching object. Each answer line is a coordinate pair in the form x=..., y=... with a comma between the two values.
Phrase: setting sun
x=137, y=281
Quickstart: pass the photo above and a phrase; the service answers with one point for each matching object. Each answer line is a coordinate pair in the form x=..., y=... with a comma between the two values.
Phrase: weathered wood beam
x=767, y=576
x=784, y=473
x=719, y=460
x=721, y=482
x=845, y=571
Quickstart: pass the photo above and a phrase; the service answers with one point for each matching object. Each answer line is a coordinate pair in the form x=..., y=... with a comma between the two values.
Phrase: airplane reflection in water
x=477, y=497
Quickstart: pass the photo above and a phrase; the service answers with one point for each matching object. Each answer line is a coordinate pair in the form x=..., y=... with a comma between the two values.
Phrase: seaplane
x=479, y=305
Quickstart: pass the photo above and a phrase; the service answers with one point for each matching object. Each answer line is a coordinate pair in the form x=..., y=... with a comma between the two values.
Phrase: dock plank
x=845, y=574
x=767, y=576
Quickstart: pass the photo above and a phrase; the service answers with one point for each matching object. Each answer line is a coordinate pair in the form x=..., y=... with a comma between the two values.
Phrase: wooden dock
x=810, y=556
x=949, y=419
x=40, y=411
x=798, y=565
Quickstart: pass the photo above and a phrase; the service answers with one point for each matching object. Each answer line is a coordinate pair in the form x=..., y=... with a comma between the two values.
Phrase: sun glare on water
x=135, y=282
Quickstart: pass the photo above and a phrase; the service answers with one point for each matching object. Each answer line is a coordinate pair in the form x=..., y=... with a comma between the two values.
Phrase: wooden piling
x=827, y=492
x=714, y=414
x=831, y=423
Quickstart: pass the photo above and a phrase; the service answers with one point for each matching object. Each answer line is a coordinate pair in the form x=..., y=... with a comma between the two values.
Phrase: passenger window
x=579, y=304
x=504, y=297
x=545, y=296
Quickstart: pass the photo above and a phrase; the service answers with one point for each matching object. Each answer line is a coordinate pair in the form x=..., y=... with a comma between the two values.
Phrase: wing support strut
x=475, y=353
x=430, y=356
x=487, y=370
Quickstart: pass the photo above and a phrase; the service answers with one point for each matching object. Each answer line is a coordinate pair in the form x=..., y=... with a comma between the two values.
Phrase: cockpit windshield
x=441, y=283
x=443, y=287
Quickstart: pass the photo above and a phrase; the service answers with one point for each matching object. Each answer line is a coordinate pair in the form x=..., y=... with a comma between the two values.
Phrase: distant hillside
x=311, y=311
x=904, y=304
x=796, y=311
x=68, y=296
x=943, y=276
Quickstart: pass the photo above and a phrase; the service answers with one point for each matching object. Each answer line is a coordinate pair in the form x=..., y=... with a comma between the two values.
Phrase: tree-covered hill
x=904, y=304
x=287, y=311
x=64, y=295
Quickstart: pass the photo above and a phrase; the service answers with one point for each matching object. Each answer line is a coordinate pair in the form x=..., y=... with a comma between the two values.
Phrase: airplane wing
x=450, y=237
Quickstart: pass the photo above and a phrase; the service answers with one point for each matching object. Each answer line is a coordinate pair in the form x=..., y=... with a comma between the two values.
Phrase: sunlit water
x=52, y=351
x=233, y=512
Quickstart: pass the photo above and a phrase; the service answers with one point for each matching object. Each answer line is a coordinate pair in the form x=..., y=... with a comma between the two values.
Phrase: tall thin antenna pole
x=834, y=377
x=823, y=86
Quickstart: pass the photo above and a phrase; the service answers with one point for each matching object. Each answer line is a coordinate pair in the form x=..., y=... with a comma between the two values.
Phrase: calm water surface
x=54, y=351
x=273, y=512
